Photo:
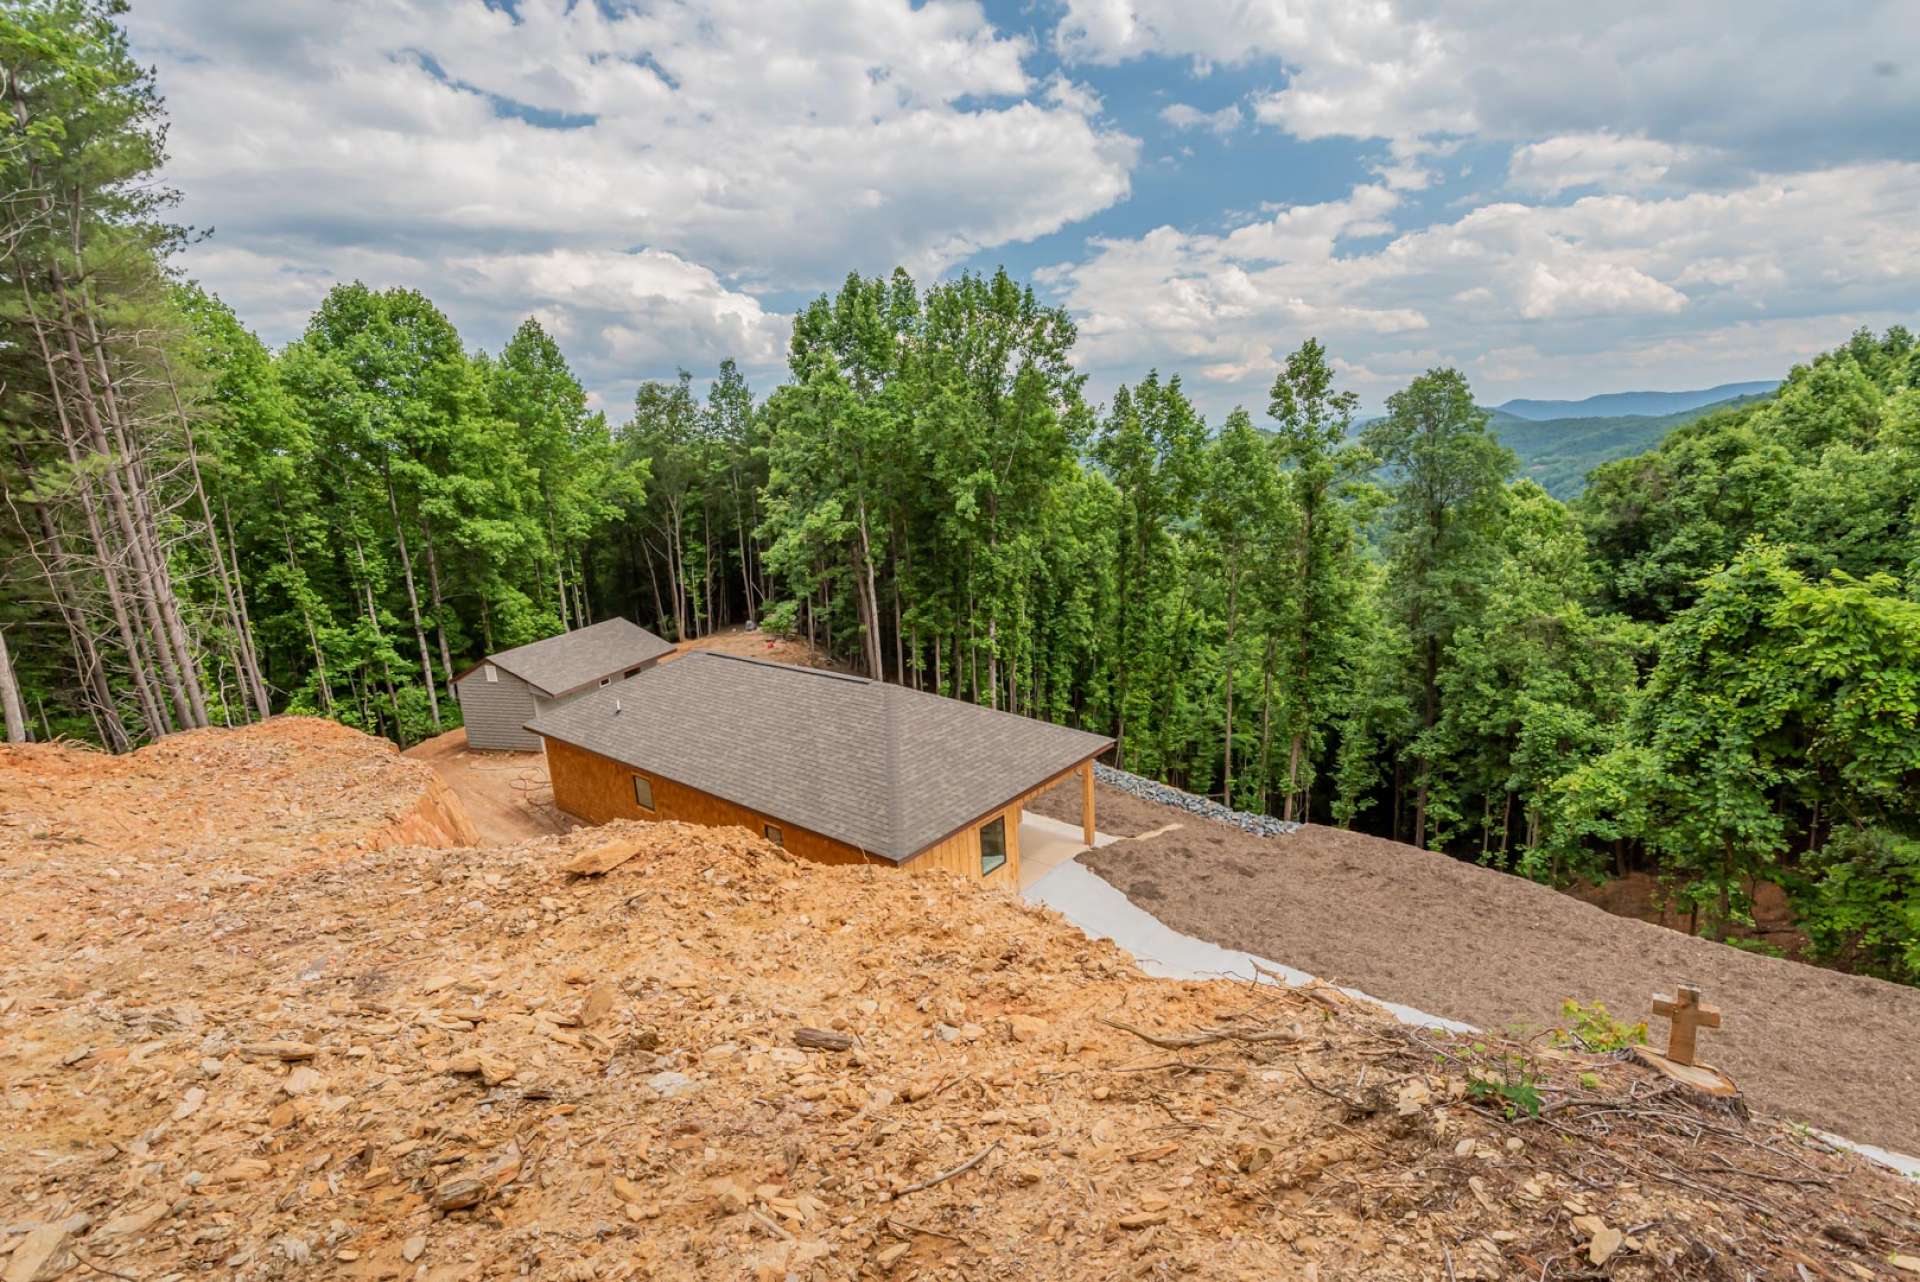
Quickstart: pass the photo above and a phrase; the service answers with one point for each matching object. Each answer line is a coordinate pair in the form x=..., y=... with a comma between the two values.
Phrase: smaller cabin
x=836, y=768
x=504, y=691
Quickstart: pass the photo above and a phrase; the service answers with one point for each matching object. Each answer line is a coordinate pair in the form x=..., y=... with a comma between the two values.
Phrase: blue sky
x=1558, y=198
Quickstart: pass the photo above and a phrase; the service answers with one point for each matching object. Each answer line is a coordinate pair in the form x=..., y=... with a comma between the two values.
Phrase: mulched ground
x=1839, y=1051
x=1117, y=813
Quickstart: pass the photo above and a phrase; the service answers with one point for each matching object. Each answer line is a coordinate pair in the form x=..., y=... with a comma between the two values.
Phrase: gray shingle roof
x=581, y=657
x=878, y=766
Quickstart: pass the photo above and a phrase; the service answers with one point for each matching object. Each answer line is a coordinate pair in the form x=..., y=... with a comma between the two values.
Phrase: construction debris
x=517, y=1071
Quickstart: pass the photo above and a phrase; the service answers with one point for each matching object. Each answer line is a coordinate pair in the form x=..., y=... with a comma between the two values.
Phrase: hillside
x=461, y=1063
x=1558, y=453
x=1636, y=404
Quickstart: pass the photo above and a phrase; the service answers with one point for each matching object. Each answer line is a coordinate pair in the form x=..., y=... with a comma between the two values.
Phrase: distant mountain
x=1634, y=404
x=1559, y=452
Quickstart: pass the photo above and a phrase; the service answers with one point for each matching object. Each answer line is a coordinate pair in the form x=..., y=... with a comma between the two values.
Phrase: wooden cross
x=1686, y=1014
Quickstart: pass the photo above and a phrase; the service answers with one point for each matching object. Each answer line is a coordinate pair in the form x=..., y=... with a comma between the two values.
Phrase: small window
x=606, y=681
x=774, y=834
x=643, y=791
x=993, y=845
x=493, y=673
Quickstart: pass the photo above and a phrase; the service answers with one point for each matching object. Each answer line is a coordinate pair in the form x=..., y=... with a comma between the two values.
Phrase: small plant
x=1590, y=1081
x=1593, y=1027
x=1512, y=1081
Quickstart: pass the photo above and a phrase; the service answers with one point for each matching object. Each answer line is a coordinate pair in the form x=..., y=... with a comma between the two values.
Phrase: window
x=493, y=673
x=993, y=845
x=643, y=791
x=774, y=834
x=606, y=681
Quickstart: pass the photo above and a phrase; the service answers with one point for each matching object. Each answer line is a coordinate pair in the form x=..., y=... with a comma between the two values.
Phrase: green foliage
x=1592, y=1027
x=1858, y=899
x=1510, y=1083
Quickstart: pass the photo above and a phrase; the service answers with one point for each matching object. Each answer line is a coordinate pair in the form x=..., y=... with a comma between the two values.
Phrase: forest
x=1707, y=666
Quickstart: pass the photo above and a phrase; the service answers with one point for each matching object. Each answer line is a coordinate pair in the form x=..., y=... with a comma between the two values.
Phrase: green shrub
x=1593, y=1027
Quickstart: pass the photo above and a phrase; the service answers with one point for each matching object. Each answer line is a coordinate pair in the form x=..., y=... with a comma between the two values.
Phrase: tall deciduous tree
x=1448, y=492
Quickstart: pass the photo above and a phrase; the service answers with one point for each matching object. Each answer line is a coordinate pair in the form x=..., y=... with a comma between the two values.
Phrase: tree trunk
x=1426, y=767
x=172, y=631
x=11, y=710
x=247, y=671
x=869, y=594
x=439, y=604
x=373, y=617
x=1226, y=740
x=413, y=600
x=147, y=687
x=1266, y=721
x=246, y=620
x=322, y=683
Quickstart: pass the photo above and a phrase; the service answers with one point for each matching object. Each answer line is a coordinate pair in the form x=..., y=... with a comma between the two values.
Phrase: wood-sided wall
x=595, y=788
x=589, y=786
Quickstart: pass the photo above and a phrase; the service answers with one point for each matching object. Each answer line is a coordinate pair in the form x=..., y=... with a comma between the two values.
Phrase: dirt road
x=506, y=793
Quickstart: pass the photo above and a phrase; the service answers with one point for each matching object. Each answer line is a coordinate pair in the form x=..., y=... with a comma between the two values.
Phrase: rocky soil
x=655, y=1051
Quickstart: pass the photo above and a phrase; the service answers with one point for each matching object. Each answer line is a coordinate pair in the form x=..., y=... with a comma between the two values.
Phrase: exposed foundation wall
x=597, y=789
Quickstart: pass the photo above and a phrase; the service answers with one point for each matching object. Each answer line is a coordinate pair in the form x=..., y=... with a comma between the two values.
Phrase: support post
x=1086, y=802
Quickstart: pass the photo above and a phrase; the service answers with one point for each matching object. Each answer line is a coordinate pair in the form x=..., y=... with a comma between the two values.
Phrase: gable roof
x=560, y=665
x=880, y=767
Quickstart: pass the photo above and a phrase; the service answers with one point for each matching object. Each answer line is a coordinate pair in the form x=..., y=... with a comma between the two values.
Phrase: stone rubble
x=1168, y=795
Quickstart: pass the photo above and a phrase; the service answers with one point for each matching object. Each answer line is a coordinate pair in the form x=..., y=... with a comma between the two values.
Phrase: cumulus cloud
x=1776, y=85
x=1603, y=159
x=1617, y=286
x=1219, y=123
x=564, y=154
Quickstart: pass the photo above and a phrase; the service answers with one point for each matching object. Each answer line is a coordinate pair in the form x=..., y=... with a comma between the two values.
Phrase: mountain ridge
x=1634, y=404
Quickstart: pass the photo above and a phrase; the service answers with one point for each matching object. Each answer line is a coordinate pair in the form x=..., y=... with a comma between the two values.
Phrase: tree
x=1448, y=493
x=1151, y=447
x=1315, y=616
x=1242, y=518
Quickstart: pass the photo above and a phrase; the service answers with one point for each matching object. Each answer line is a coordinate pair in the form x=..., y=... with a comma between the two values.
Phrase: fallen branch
x=1205, y=1037
x=944, y=1176
x=101, y=1268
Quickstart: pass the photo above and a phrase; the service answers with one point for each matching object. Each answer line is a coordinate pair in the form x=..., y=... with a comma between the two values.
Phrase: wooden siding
x=589, y=786
x=496, y=712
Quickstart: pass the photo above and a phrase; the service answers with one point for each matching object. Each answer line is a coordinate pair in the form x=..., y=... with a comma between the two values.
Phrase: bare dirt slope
x=1474, y=944
x=297, y=782
x=756, y=644
x=452, y=1064
x=507, y=794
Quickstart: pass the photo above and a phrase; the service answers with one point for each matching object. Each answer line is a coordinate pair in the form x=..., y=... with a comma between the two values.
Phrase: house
x=836, y=768
x=500, y=694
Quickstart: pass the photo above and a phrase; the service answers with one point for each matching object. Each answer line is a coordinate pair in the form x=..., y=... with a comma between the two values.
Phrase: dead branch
x=944, y=1176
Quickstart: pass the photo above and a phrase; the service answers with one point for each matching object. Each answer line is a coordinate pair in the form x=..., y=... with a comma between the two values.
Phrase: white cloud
x=771, y=147
x=1605, y=291
x=1774, y=84
x=1219, y=123
x=1602, y=159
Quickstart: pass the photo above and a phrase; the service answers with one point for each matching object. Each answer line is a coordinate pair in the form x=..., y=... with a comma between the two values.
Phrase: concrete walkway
x=1047, y=843
x=1097, y=907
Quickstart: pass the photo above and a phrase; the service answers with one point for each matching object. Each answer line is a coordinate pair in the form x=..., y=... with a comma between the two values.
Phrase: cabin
x=835, y=768
x=504, y=691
